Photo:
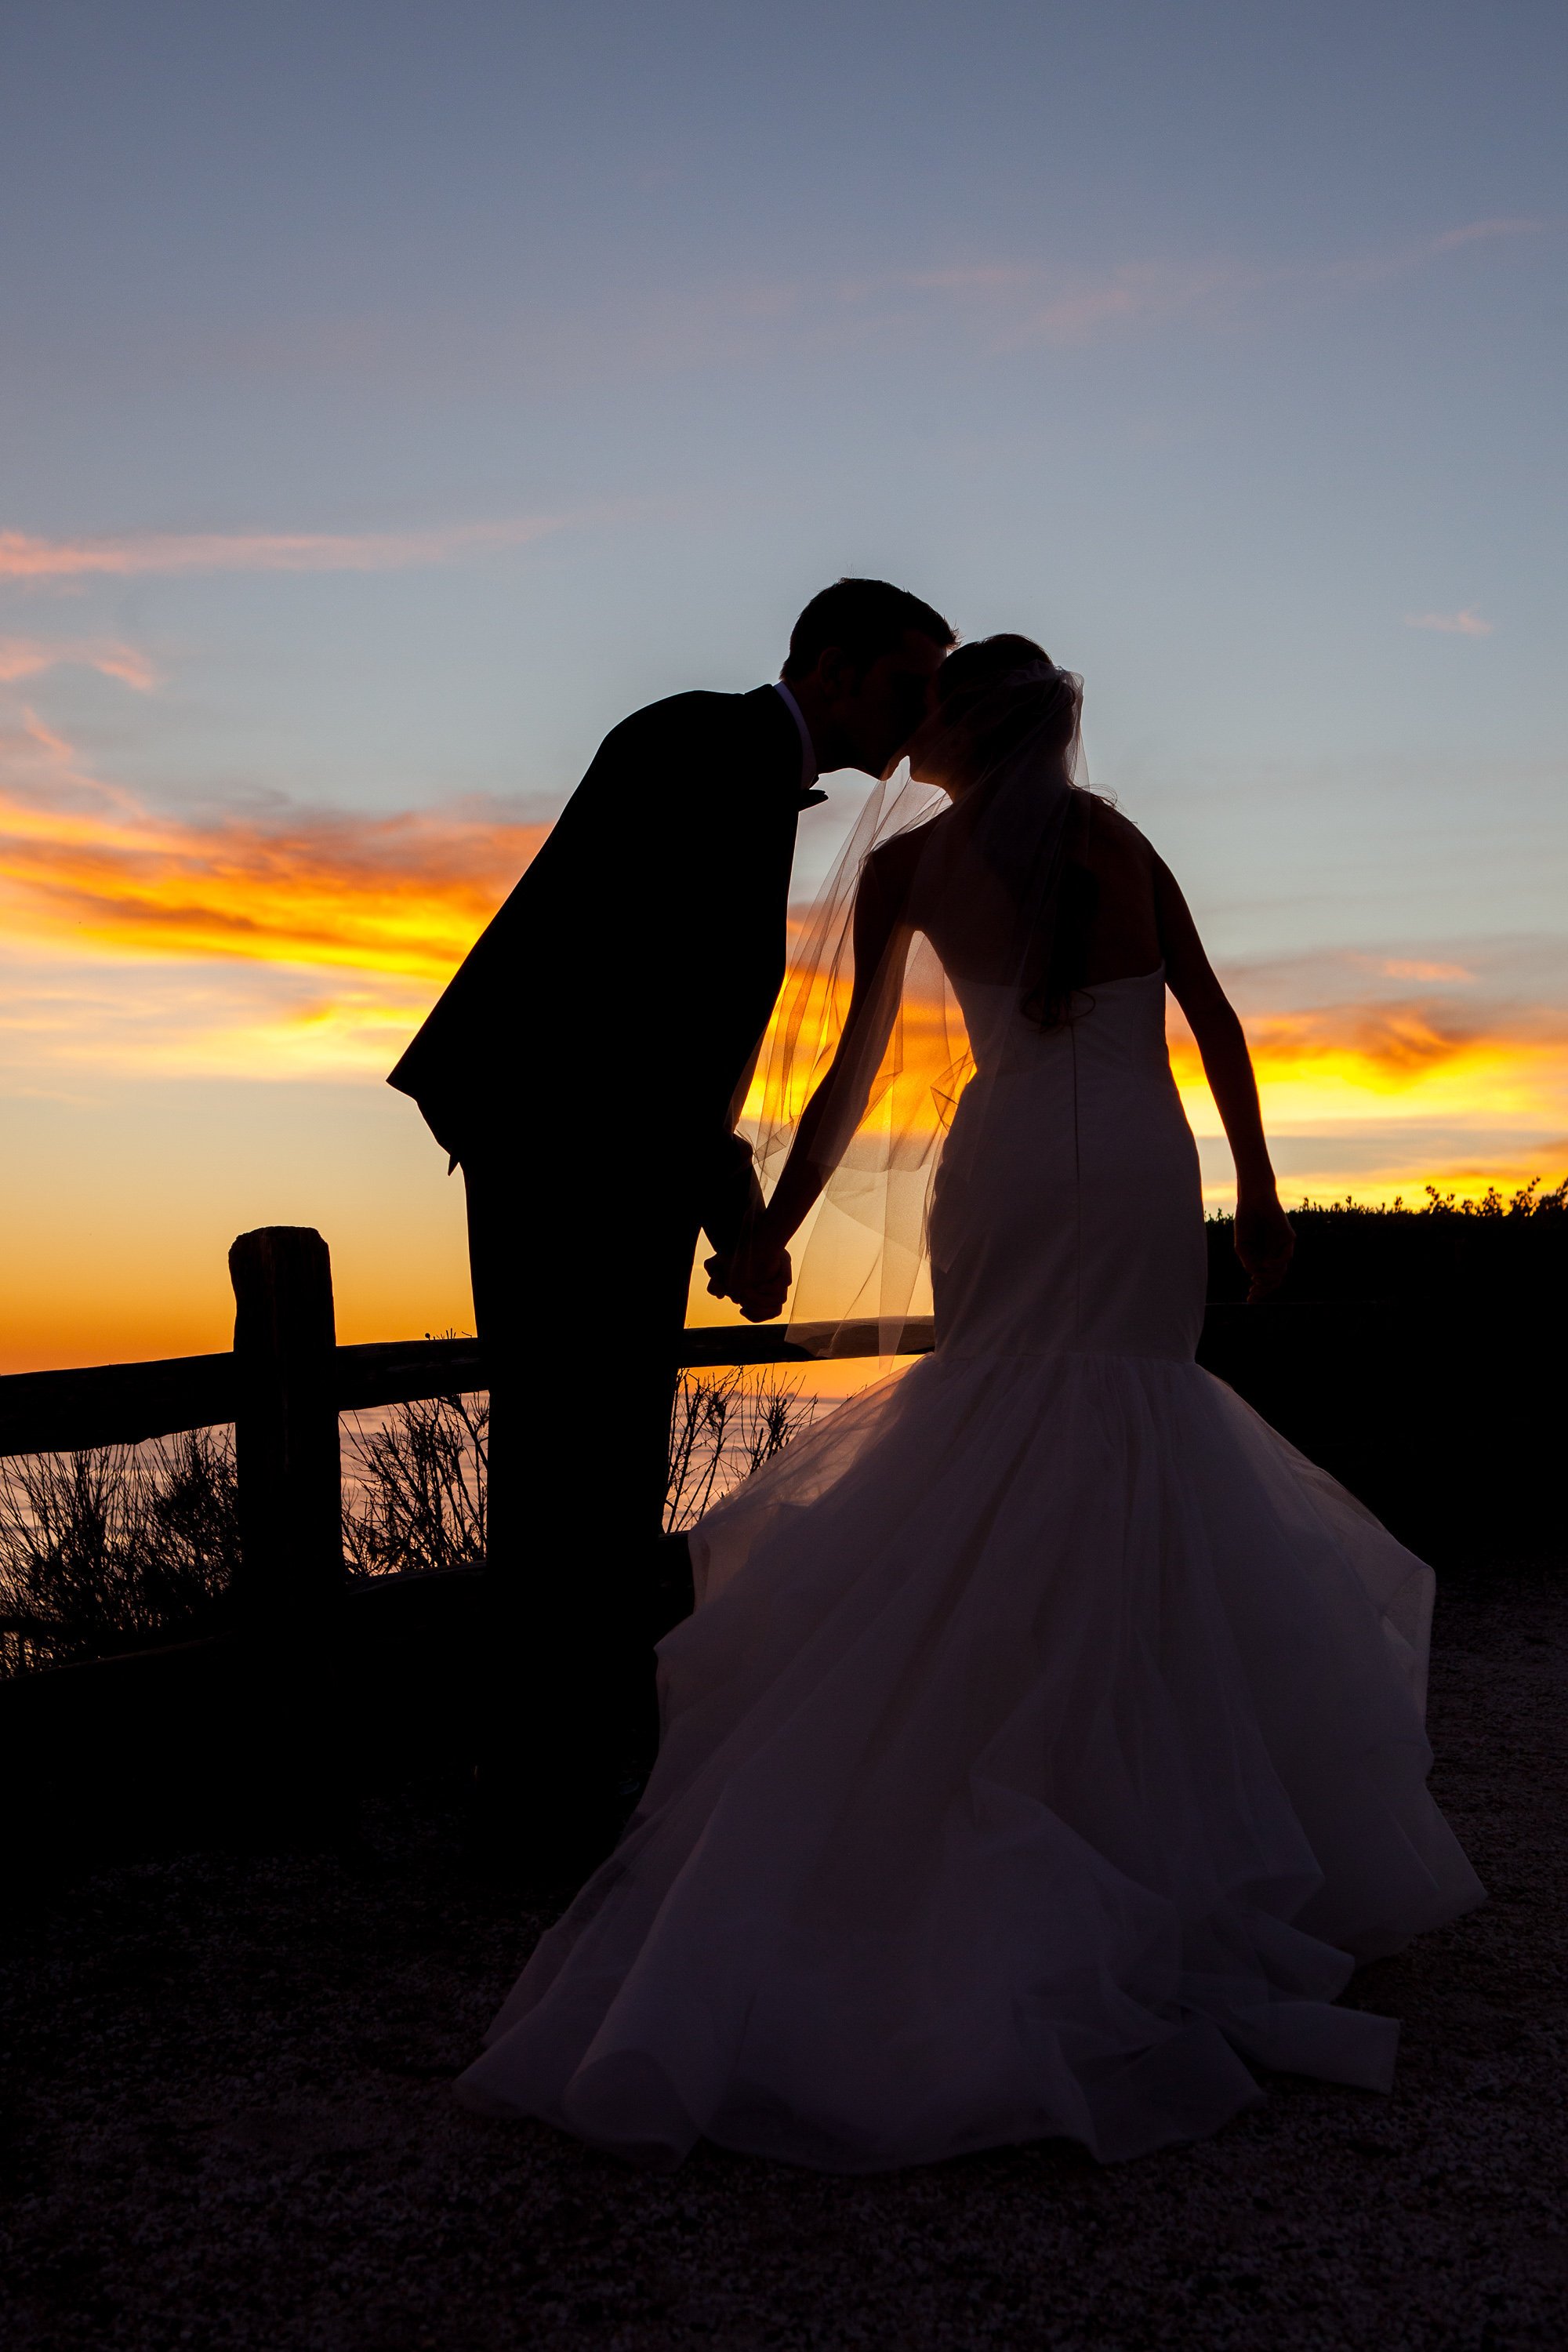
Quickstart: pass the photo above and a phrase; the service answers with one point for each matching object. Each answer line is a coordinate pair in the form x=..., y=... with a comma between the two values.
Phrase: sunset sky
x=394, y=396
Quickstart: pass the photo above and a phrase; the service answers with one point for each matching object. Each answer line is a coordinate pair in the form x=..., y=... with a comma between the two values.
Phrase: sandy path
x=230, y=2127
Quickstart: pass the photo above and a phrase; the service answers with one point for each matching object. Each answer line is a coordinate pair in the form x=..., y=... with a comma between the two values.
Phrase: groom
x=585, y=1066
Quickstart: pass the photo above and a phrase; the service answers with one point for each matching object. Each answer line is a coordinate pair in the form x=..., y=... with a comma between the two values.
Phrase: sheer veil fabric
x=1047, y=1747
x=866, y=1250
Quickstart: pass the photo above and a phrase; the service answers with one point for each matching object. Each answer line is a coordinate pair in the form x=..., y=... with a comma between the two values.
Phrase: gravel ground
x=231, y=2127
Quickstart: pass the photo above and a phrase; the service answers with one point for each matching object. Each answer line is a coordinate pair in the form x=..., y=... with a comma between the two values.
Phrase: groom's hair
x=866, y=618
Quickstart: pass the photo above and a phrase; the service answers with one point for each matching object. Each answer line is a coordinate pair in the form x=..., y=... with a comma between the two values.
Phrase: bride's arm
x=1264, y=1240
x=759, y=1270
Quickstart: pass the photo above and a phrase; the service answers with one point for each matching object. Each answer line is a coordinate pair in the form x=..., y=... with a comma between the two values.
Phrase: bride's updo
x=967, y=699
x=986, y=663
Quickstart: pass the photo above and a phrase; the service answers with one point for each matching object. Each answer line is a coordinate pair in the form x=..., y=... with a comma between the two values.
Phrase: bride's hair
x=986, y=662
x=967, y=698
x=968, y=679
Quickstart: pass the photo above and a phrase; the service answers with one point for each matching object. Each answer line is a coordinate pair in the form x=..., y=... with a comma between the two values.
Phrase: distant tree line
x=1472, y=1251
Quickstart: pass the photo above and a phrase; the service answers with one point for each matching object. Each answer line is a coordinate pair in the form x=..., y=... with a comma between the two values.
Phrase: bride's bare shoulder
x=1118, y=852
x=1101, y=823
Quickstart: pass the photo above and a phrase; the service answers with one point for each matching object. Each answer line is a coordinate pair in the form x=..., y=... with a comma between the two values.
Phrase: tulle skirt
x=1045, y=1753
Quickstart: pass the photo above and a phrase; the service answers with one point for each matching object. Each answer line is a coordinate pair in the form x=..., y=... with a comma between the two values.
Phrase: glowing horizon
x=306, y=947
x=379, y=911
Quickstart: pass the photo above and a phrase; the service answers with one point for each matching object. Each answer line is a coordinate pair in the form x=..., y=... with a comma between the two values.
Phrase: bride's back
x=1120, y=933
x=1107, y=919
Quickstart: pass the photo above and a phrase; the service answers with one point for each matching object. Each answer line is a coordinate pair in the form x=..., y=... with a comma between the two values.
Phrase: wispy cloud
x=24, y=557
x=1044, y=303
x=1479, y=232
x=1136, y=292
x=23, y=657
x=1413, y=968
x=1006, y=301
x=1467, y=624
x=1028, y=302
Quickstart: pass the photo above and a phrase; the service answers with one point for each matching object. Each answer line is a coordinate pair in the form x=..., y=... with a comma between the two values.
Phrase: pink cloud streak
x=1467, y=624
x=25, y=558
x=1051, y=309
x=29, y=657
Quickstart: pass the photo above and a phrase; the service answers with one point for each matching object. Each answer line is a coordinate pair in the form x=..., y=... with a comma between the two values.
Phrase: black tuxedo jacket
x=613, y=1004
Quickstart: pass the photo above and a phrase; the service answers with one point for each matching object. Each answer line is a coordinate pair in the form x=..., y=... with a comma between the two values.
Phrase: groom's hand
x=756, y=1278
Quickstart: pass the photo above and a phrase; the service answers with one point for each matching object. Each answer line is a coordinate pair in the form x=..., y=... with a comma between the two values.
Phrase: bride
x=1047, y=1747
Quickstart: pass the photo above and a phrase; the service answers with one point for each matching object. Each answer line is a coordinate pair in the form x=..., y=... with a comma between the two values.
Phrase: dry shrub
x=119, y=1546
x=114, y=1547
x=415, y=1494
x=725, y=1425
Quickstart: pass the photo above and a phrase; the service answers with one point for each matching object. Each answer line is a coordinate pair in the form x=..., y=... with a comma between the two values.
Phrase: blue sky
x=394, y=396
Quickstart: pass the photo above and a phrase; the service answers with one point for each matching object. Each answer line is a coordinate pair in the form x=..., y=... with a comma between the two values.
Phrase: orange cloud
x=339, y=930
x=1350, y=1062
x=1329, y=1071
x=1386, y=1048
x=404, y=895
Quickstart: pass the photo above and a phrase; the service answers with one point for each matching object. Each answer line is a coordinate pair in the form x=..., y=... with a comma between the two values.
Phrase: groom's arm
x=731, y=1196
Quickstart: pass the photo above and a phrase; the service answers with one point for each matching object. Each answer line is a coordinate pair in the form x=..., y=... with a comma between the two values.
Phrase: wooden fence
x=1447, y=1423
x=101, y=1751
x=286, y=1382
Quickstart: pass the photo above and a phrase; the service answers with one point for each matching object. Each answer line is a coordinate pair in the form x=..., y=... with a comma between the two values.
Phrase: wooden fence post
x=290, y=1575
x=286, y=1424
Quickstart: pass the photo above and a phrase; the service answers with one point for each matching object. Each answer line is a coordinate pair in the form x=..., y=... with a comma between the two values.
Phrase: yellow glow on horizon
x=404, y=895
x=362, y=921
x=1337, y=1062
x=1355, y=1073
x=1328, y=1068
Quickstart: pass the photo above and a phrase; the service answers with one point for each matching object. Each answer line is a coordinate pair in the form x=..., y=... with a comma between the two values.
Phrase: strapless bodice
x=1068, y=1211
x=1118, y=1020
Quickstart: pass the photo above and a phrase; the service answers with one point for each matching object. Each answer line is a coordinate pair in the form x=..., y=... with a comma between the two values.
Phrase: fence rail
x=125, y=1404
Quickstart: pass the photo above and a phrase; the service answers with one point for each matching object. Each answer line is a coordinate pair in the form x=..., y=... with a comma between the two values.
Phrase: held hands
x=1264, y=1243
x=756, y=1274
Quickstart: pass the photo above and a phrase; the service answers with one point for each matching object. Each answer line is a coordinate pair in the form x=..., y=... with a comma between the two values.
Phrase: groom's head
x=861, y=659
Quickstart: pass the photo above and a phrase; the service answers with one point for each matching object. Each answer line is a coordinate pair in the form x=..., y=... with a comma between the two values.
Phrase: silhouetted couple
x=1045, y=1747
x=585, y=1067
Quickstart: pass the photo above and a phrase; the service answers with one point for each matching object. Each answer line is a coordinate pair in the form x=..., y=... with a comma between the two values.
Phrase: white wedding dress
x=1047, y=1747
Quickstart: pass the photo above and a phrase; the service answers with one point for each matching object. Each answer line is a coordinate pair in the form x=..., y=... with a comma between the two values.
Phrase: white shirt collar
x=808, y=767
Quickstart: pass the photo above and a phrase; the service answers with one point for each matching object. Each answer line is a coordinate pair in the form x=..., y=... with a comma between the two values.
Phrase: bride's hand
x=1265, y=1242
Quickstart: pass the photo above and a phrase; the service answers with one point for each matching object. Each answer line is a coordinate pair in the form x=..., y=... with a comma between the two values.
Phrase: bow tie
x=809, y=800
